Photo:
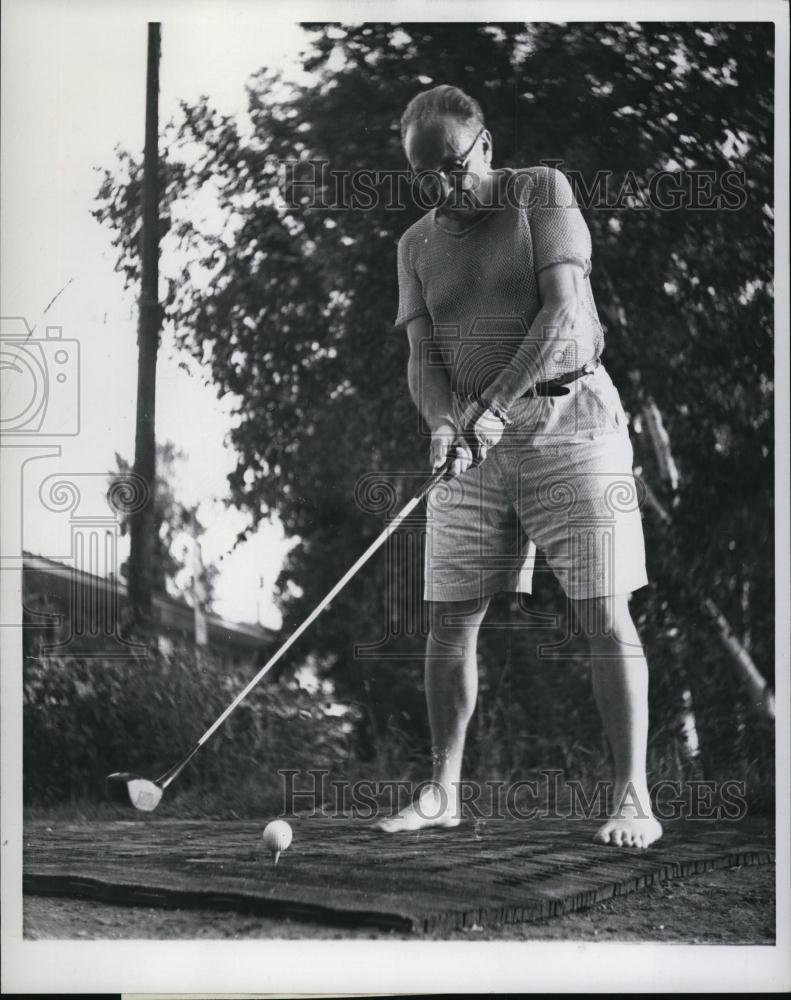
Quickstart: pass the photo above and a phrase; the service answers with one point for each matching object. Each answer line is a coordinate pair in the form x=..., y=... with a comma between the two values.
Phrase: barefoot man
x=505, y=345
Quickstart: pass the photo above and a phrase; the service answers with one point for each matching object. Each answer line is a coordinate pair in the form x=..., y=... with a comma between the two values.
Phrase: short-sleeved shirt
x=479, y=287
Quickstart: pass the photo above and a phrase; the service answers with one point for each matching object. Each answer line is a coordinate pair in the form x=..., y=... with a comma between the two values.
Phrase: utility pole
x=142, y=524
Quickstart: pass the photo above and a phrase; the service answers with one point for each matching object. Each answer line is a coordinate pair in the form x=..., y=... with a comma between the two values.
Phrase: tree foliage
x=292, y=305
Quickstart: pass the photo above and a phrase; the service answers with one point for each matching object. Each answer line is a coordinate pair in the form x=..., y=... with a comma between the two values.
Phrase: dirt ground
x=726, y=906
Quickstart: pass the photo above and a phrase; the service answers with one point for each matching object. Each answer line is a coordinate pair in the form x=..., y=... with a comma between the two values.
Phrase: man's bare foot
x=433, y=808
x=632, y=824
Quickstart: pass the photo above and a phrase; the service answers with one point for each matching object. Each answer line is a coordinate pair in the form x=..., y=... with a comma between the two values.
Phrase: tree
x=292, y=304
x=175, y=524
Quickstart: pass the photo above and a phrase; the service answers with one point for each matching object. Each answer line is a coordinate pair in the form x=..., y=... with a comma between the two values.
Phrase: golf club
x=144, y=794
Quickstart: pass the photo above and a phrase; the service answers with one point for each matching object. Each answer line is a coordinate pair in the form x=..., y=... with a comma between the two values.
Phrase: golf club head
x=130, y=789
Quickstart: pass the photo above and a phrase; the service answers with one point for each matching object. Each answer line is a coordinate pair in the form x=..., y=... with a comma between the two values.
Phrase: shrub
x=84, y=718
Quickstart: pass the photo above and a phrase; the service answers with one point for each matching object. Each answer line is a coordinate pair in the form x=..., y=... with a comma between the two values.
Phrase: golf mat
x=340, y=871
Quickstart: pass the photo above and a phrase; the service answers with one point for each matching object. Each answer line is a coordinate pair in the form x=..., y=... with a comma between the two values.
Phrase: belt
x=552, y=386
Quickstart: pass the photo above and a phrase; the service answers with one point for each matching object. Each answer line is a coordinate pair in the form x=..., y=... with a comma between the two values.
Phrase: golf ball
x=277, y=837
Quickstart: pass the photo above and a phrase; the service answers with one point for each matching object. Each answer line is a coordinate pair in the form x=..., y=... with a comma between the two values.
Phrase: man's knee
x=456, y=622
x=606, y=623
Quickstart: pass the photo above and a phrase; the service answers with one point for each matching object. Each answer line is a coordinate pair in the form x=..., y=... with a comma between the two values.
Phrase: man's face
x=437, y=144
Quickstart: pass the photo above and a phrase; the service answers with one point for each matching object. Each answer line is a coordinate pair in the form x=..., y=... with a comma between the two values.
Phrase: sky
x=73, y=88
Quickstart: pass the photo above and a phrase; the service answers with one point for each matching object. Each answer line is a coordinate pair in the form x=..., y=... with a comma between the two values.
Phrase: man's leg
x=451, y=675
x=620, y=687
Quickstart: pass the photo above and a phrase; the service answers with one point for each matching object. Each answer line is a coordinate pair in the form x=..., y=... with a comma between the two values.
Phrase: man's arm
x=428, y=384
x=430, y=389
x=560, y=288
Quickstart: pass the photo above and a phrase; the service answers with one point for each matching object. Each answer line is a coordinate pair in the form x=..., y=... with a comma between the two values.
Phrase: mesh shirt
x=479, y=286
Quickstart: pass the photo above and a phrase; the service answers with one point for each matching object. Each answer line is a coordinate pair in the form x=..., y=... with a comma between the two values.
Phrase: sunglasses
x=433, y=187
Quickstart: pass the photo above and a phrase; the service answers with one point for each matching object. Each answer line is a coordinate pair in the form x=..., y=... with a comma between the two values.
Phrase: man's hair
x=442, y=100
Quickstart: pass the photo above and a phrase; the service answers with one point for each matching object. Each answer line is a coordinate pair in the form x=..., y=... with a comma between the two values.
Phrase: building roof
x=172, y=611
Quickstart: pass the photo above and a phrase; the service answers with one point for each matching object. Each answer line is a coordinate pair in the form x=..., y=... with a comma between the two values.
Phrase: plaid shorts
x=560, y=480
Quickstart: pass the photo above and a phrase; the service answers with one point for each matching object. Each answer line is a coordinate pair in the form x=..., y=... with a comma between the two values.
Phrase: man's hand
x=482, y=426
x=445, y=437
x=480, y=431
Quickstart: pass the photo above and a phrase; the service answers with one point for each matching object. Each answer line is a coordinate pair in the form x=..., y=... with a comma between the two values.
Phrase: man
x=504, y=368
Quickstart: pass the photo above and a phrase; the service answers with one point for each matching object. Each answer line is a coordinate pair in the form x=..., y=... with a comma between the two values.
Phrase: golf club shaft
x=165, y=779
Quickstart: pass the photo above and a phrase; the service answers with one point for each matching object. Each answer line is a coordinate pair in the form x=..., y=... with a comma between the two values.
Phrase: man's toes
x=390, y=825
x=617, y=837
